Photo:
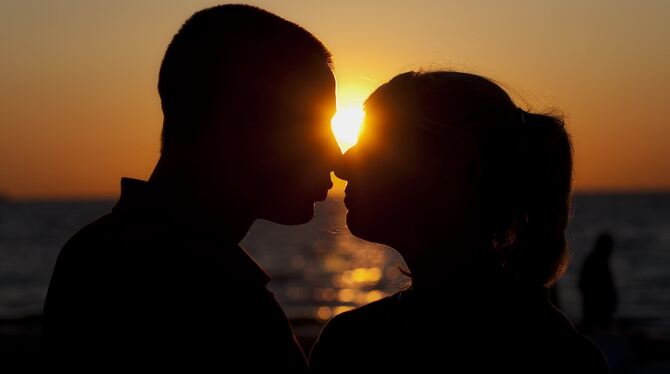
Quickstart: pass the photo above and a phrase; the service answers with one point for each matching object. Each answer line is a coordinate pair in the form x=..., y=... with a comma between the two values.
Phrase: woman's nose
x=343, y=166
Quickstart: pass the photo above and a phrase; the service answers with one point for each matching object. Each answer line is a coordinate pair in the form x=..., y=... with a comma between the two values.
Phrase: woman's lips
x=347, y=197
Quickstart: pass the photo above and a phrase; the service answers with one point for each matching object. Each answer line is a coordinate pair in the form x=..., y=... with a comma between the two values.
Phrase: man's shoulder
x=109, y=241
x=89, y=239
x=112, y=233
x=78, y=265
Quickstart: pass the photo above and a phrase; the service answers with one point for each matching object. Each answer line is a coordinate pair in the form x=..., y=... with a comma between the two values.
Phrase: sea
x=319, y=269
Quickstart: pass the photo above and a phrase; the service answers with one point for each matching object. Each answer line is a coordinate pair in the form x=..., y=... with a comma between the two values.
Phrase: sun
x=347, y=124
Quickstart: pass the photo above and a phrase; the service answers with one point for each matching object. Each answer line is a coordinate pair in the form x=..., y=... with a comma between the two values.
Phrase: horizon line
x=4, y=198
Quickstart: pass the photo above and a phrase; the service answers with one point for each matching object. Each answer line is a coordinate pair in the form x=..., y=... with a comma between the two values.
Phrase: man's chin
x=295, y=215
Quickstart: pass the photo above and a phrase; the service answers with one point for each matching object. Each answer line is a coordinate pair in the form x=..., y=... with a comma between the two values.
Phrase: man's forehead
x=309, y=87
x=314, y=78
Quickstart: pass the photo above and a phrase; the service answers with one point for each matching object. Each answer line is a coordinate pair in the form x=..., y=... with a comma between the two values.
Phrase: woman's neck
x=457, y=268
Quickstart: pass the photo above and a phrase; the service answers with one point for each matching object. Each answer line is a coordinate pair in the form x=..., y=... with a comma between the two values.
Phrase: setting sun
x=346, y=125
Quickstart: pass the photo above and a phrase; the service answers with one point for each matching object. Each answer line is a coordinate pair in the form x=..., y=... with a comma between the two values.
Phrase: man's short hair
x=223, y=54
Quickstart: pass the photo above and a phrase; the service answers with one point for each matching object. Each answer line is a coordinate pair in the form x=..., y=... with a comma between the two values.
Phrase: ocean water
x=640, y=263
x=319, y=269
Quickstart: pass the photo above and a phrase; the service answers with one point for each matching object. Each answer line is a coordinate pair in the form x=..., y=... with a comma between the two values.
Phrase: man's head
x=247, y=99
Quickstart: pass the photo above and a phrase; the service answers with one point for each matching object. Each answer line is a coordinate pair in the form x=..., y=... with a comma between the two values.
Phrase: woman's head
x=447, y=159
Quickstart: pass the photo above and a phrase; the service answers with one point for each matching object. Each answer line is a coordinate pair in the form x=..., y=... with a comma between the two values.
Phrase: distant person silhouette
x=599, y=296
x=160, y=283
x=474, y=193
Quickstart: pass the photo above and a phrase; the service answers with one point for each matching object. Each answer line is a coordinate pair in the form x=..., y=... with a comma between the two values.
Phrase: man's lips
x=323, y=191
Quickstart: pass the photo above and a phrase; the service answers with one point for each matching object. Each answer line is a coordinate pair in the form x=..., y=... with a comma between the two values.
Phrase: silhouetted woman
x=474, y=193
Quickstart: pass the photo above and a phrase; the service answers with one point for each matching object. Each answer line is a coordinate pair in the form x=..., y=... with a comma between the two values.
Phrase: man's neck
x=182, y=191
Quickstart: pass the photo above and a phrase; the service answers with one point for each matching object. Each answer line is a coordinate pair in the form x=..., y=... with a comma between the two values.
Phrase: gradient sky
x=79, y=107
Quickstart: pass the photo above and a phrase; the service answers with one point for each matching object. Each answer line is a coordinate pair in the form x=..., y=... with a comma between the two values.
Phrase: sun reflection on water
x=320, y=269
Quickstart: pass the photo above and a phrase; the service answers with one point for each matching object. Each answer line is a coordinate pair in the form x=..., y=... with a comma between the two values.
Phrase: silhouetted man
x=161, y=282
x=599, y=296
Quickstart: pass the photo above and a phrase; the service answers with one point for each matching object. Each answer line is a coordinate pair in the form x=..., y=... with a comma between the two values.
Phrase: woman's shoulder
x=377, y=314
x=577, y=350
x=590, y=356
x=343, y=334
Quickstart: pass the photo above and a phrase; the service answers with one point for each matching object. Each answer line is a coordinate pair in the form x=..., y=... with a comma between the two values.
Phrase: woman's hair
x=525, y=177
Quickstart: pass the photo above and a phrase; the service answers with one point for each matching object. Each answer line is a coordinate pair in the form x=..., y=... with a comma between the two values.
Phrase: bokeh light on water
x=320, y=269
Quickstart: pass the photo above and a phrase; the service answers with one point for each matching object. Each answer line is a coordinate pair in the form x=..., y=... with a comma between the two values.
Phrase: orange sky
x=79, y=107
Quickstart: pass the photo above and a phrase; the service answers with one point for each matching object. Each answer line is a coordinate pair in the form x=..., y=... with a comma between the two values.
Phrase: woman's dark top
x=506, y=330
